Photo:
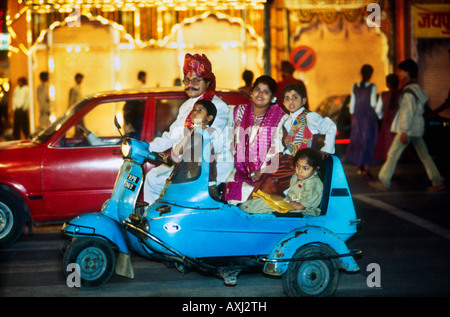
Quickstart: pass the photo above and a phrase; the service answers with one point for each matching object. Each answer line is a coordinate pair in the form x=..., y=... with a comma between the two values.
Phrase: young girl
x=304, y=194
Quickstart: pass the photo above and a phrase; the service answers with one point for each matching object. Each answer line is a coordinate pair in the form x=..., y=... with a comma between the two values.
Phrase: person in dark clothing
x=364, y=126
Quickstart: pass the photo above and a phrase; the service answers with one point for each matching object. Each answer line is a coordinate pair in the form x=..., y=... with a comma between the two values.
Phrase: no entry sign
x=303, y=58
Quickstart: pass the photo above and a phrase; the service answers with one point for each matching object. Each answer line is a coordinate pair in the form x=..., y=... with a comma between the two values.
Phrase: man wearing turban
x=200, y=83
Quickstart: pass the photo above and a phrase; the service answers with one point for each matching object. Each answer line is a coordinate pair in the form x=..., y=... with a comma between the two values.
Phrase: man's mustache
x=191, y=88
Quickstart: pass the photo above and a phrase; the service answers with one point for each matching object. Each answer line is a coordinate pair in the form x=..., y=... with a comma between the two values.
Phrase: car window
x=43, y=135
x=165, y=114
x=97, y=127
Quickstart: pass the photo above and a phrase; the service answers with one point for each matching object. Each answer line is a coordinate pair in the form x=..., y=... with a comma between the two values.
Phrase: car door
x=79, y=172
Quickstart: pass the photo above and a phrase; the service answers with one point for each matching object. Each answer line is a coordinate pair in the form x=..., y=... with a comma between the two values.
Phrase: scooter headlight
x=126, y=148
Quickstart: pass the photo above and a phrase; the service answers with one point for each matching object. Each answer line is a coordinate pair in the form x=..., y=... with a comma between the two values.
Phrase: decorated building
x=110, y=41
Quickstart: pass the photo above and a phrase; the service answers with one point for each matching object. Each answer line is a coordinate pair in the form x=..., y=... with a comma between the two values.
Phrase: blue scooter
x=189, y=227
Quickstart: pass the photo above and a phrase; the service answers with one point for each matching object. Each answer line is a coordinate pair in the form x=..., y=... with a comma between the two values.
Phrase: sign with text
x=431, y=20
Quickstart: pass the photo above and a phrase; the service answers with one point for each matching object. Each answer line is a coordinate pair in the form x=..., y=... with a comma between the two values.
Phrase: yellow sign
x=431, y=20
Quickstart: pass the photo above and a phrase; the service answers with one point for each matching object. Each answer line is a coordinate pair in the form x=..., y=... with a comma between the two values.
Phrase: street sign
x=303, y=58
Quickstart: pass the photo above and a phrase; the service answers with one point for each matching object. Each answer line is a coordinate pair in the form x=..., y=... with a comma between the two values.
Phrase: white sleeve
x=379, y=108
x=352, y=102
x=222, y=116
x=373, y=96
x=318, y=124
x=406, y=113
x=176, y=130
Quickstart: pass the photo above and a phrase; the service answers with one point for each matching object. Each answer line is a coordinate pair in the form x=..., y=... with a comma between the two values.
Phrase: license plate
x=129, y=186
x=133, y=178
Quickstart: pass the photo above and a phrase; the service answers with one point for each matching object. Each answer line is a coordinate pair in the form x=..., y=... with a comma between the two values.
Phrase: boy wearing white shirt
x=409, y=126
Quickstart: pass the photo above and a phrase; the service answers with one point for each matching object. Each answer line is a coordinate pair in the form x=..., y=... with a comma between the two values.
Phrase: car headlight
x=126, y=148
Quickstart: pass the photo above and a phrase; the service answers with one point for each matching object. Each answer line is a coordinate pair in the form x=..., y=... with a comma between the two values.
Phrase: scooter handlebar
x=138, y=151
x=159, y=158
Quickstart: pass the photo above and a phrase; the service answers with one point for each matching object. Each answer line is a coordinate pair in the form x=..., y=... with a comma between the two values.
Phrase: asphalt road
x=404, y=236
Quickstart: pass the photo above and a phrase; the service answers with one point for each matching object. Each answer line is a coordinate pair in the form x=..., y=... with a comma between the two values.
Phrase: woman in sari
x=257, y=140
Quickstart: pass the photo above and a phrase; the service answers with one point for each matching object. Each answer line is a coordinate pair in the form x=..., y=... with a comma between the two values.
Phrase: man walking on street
x=409, y=126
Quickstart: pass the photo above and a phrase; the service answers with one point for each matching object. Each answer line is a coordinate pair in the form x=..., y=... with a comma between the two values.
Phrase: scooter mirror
x=117, y=124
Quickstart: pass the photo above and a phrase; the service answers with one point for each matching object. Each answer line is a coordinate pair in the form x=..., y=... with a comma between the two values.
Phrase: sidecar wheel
x=95, y=258
x=311, y=278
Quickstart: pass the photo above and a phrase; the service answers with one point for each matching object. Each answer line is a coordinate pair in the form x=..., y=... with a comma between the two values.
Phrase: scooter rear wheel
x=95, y=259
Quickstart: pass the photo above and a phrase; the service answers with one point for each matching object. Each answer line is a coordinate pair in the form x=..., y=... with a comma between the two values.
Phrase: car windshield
x=43, y=135
x=189, y=168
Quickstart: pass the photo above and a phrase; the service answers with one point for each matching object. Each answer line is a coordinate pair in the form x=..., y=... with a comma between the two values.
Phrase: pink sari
x=250, y=156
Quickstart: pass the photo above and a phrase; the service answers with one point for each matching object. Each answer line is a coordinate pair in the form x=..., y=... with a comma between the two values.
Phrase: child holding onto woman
x=304, y=194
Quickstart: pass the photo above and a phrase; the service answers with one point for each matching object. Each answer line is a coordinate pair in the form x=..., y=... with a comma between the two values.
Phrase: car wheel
x=318, y=278
x=12, y=219
x=94, y=257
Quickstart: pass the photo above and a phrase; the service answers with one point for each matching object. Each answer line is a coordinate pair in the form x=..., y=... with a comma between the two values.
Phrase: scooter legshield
x=126, y=191
x=98, y=226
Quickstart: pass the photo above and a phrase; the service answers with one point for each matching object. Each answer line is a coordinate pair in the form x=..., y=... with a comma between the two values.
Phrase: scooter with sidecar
x=188, y=226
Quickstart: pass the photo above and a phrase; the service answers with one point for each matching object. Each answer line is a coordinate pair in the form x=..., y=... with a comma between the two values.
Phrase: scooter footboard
x=97, y=225
x=277, y=261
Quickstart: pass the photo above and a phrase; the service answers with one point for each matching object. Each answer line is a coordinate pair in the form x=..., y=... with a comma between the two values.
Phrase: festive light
x=178, y=5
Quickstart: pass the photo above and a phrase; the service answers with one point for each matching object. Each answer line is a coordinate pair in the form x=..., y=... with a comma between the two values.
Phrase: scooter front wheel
x=95, y=260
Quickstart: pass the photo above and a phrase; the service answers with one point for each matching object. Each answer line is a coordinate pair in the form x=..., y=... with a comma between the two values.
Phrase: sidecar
x=191, y=226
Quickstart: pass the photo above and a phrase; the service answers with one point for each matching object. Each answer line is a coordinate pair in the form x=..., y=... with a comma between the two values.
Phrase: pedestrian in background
x=4, y=98
x=364, y=123
x=386, y=109
x=20, y=106
x=247, y=76
x=409, y=126
x=141, y=79
x=43, y=99
x=75, y=93
x=287, y=75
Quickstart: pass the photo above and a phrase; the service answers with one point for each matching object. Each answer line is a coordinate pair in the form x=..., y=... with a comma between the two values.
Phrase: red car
x=60, y=173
